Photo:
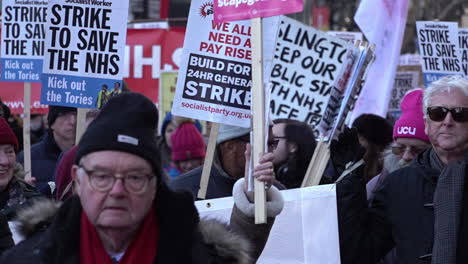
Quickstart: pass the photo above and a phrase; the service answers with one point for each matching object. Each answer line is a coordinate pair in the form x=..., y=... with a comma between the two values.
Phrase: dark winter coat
x=220, y=183
x=6, y=240
x=15, y=196
x=183, y=238
x=401, y=216
x=44, y=156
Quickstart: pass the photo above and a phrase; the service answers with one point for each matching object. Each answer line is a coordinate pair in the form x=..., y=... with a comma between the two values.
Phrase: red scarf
x=142, y=249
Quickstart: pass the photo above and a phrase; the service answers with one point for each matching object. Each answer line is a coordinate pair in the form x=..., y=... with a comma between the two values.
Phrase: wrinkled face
x=116, y=208
x=188, y=165
x=408, y=148
x=282, y=148
x=170, y=129
x=65, y=126
x=448, y=135
x=7, y=164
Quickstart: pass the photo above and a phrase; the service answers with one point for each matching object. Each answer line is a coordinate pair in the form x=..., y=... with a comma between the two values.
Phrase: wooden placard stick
x=312, y=165
x=321, y=164
x=208, y=161
x=80, y=123
x=258, y=116
x=27, y=130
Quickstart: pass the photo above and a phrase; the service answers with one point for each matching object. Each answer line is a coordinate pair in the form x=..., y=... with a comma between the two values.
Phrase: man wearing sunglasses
x=125, y=213
x=421, y=209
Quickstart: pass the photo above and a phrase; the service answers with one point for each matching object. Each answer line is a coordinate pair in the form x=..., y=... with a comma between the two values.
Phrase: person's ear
x=426, y=127
x=75, y=179
x=292, y=147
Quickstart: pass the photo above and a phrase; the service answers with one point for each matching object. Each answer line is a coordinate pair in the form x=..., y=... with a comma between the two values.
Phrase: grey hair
x=445, y=84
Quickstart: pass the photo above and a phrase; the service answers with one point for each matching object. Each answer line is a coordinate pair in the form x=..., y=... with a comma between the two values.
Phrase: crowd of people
x=127, y=189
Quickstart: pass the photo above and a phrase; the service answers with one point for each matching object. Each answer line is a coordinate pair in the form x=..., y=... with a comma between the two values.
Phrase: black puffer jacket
x=401, y=216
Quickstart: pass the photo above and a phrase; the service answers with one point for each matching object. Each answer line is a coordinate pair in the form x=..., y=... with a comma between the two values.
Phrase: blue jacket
x=44, y=156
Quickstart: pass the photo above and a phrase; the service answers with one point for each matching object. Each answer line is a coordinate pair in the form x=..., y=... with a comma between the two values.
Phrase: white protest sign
x=463, y=38
x=295, y=238
x=404, y=82
x=307, y=65
x=215, y=71
x=439, y=49
x=383, y=24
x=22, y=45
x=348, y=36
x=84, y=52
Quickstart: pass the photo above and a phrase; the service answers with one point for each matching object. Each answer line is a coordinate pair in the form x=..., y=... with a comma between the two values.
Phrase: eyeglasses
x=438, y=113
x=414, y=150
x=135, y=182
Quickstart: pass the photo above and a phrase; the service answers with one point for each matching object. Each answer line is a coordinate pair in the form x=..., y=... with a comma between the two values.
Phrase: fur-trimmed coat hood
x=20, y=194
x=183, y=237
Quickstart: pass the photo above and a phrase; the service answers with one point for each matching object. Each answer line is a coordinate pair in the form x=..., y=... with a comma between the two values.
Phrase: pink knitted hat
x=411, y=122
x=187, y=143
x=7, y=137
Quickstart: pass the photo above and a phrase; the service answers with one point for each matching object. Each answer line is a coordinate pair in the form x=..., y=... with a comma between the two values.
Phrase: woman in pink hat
x=188, y=149
x=409, y=138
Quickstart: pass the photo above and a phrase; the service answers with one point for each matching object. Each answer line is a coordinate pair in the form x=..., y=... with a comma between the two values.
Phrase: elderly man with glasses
x=421, y=209
x=123, y=211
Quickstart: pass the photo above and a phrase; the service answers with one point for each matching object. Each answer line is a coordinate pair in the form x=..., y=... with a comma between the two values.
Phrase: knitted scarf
x=448, y=199
x=142, y=250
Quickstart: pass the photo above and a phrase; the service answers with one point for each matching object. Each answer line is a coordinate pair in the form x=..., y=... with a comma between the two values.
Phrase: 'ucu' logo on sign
x=407, y=130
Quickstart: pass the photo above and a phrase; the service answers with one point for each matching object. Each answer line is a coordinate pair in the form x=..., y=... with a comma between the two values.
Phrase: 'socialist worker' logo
x=206, y=9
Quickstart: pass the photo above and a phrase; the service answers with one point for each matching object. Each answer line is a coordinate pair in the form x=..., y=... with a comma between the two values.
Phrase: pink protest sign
x=231, y=10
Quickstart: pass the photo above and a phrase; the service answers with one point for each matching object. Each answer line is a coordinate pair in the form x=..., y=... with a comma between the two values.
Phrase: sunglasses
x=398, y=149
x=438, y=113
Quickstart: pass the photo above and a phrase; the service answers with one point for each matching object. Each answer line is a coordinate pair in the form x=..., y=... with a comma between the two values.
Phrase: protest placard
x=439, y=49
x=404, y=82
x=407, y=78
x=383, y=23
x=232, y=10
x=354, y=88
x=215, y=71
x=463, y=39
x=22, y=45
x=145, y=59
x=307, y=65
x=294, y=238
x=84, y=52
x=348, y=36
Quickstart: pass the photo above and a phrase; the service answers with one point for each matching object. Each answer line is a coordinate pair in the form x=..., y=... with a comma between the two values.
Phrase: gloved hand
x=346, y=149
